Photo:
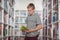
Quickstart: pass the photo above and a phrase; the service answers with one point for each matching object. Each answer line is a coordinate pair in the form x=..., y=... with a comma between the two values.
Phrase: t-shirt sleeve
x=38, y=20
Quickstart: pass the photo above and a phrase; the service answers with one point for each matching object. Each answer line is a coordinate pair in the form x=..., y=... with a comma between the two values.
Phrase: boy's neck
x=31, y=14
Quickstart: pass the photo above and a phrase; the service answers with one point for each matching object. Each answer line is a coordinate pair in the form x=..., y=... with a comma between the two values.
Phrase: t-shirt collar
x=31, y=15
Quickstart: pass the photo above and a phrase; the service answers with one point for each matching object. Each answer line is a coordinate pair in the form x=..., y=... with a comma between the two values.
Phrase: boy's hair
x=31, y=5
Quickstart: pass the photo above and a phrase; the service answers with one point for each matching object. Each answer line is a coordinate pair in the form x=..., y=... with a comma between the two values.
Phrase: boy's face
x=30, y=10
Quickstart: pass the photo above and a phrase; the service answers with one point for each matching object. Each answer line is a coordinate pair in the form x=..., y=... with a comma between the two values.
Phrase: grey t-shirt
x=32, y=22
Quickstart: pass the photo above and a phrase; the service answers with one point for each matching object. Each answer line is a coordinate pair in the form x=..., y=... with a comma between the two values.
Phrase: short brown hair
x=31, y=5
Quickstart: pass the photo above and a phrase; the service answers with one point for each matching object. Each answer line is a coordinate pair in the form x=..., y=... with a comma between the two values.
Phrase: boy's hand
x=27, y=31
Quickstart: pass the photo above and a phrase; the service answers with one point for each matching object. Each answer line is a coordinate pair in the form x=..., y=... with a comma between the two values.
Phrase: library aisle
x=13, y=14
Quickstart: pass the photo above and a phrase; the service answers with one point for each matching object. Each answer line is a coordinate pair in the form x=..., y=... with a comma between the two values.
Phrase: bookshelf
x=20, y=16
x=6, y=20
x=51, y=20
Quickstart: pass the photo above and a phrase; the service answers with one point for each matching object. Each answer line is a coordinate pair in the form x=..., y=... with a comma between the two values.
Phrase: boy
x=33, y=22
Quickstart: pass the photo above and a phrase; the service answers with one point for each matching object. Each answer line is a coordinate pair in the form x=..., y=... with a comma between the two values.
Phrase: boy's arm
x=36, y=29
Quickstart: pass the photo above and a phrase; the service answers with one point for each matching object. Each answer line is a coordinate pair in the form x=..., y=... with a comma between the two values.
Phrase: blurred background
x=14, y=12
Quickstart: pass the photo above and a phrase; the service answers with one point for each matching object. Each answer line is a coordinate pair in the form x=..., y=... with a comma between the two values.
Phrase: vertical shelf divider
x=59, y=16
